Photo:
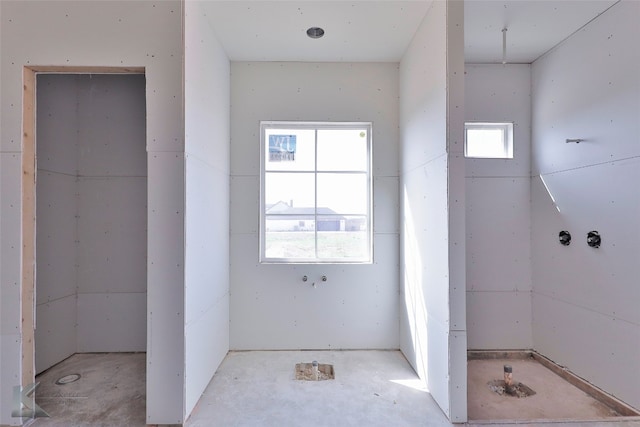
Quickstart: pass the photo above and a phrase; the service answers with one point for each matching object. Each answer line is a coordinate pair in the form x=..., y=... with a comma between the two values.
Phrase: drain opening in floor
x=68, y=379
x=314, y=371
x=515, y=390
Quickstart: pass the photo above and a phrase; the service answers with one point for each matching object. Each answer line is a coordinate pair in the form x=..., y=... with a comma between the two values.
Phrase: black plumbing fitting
x=565, y=238
x=593, y=239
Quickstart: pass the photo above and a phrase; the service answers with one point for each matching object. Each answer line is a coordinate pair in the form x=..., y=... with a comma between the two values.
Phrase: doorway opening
x=84, y=223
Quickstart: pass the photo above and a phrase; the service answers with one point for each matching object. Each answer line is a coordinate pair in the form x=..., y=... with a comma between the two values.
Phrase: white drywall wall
x=104, y=33
x=271, y=307
x=433, y=325
x=111, y=196
x=498, y=221
x=91, y=233
x=207, y=146
x=2, y=332
x=56, y=210
x=585, y=300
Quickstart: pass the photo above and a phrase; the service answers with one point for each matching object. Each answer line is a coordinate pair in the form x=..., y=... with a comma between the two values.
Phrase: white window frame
x=506, y=128
x=264, y=126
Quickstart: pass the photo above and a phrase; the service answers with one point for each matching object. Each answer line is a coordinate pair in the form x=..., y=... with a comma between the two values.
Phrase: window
x=488, y=140
x=315, y=204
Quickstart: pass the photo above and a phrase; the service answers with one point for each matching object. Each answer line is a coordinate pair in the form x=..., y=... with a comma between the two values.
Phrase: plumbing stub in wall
x=593, y=239
x=564, y=237
x=306, y=278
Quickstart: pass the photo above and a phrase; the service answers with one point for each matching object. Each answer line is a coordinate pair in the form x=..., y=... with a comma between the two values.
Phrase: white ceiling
x=354, y=30
x=533, y=26
x=371, y=31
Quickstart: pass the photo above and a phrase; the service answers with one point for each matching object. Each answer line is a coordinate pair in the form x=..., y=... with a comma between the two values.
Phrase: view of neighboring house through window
x=315, y=192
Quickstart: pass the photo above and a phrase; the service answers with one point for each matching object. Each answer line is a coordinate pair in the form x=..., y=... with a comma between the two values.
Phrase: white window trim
x=264, y=125
x=507, y=131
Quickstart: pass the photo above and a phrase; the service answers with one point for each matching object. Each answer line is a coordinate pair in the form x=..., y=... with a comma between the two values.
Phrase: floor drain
x=314, y=371
x=68, y=379
x=516, y=389
x=508, y=386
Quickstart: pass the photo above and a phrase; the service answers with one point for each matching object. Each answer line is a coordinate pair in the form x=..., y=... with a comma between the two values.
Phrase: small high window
x=315, y=204
x=488, y=140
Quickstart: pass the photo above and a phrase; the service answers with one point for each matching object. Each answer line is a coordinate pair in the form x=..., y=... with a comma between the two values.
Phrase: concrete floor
x=258, y=389
x=555, y=398
x=111, y=391
x=371, y=388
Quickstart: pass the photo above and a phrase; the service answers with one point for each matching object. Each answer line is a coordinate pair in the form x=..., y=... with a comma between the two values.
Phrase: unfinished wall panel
x=599, y=105
x=10, y=172
x=112, y=220
x=585, y=313
x=91, y=215
x=103, y=34
x=56, y=331
x=602, y=340
x=165, y=289
x=56, y=251
x=432, y=323
x=207, y=148
x=498, y=212
x=56, y=243
x=111, y=322
x=271, y=307
x=57, y=210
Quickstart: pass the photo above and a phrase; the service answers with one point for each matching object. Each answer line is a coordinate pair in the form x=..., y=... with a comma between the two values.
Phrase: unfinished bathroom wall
x=103, y=34
x=111, y=194
x=57, y=210
x=498, y=221
x=432, y=322
x=585, y=300
x=207, y=142
x=91, y=215
x=271, y=307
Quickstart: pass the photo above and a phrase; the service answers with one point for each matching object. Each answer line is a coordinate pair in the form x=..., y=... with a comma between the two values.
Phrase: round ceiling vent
x=315, y=32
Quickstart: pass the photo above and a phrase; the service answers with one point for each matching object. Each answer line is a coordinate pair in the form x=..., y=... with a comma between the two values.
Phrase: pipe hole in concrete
x=314, y=371
x=68, y=379
x=515, y=390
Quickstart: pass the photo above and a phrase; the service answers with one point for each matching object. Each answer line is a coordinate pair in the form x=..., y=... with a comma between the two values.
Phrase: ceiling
x=533, y=26
x=355, y=31
x=372, y=31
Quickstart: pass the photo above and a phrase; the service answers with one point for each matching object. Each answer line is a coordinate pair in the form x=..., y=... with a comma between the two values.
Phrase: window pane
x=289, y=244
x=289, y=149
x=316, y=188
x=342, y=149
x=285, y=191
x=343, y=193
x=342, y=237
x=485, y=143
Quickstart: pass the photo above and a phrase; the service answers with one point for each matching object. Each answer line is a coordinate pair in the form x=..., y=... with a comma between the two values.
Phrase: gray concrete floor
x=111, y=391
x=371, y=388
x=258, y=389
